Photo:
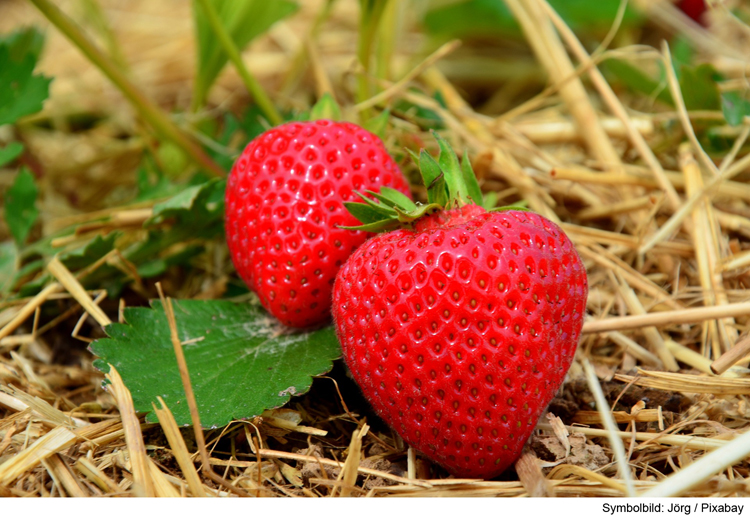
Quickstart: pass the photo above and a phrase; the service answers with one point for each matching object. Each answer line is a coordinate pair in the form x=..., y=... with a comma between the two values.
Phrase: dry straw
x=661, y=225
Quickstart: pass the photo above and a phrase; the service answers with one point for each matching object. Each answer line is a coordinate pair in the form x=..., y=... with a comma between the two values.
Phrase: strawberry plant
x=163, y=158
x=459, y=325
x=23, y=93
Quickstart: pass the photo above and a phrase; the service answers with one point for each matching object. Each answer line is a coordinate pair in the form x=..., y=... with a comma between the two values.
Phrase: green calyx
x=449, y=183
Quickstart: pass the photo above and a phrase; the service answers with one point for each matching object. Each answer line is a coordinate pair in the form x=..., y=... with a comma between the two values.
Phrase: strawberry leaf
x=241, y=360
x=196, y=213
x=10, y=152
x=20, y=206
x=699, y=87
x=91, y=252
x=195, y=207
x=735, y=106
x=23, y=92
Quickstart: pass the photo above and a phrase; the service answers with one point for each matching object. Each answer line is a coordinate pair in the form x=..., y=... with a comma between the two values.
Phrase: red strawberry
x=695, y=9
x=460, y=327
x=284, y=203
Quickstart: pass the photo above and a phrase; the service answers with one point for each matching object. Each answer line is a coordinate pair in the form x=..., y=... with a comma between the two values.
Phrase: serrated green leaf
x=23, y=93
x=10, y=152
x=196, y=206
x=28, y=41
x=74, y=259
x=470, y=180
x=699, y=88
x=154, y=186
x=244, y=20
x=31, y=288
x=326, y=108
x=196, y=213
x=20, y=206
x=241, y=360
x=683, y=54
x=154, y=267
x=735, y=107
x=91, y=252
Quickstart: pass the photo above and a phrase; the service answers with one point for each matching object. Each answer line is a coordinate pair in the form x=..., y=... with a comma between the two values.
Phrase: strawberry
x=459, y=326
x=284, y=204
x=695, y=9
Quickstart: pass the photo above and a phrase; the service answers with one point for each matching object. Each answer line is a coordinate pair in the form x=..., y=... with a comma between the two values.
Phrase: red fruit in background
x=460, y=329
x=695, y=9
x=284, y=203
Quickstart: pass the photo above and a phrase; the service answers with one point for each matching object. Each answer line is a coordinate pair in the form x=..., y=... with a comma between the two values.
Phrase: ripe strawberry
x=460, y=326
x=695, y=9
x=284, y=203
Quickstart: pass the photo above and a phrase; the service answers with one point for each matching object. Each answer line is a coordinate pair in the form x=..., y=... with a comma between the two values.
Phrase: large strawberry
x=459, y=326
x=284, y=204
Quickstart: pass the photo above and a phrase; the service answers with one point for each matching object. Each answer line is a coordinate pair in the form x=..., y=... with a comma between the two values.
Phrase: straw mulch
x=656, y=400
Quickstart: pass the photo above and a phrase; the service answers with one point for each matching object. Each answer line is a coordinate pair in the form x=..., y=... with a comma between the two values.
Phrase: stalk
x=150, y=112
x=251, y=83
x=371, y=14
x=390, y=26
